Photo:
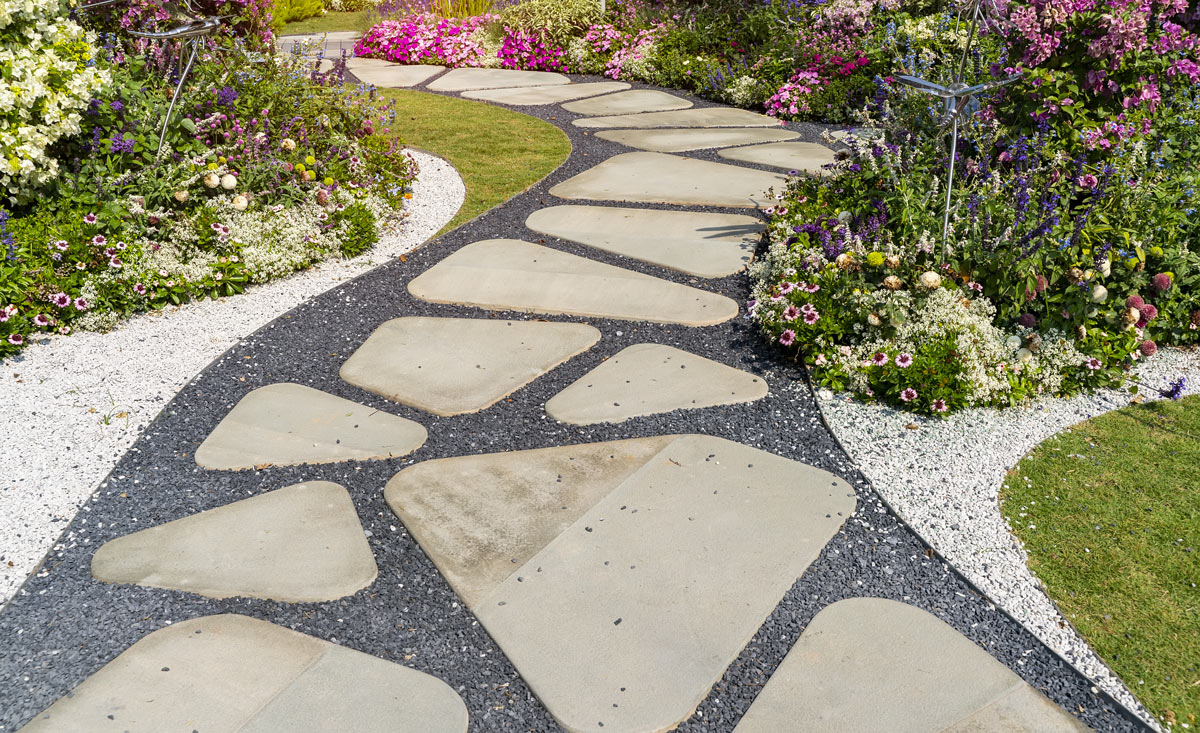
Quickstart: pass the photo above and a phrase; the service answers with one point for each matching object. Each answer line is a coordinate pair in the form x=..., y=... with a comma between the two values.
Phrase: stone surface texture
x=386, y=74
x=531, y=96
x=461, y=80
x=804, y=157
x=704, y=117
x=624, y=103
x=682, y=140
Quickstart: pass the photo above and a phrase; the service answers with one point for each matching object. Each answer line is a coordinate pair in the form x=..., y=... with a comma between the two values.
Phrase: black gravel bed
x=62, y=626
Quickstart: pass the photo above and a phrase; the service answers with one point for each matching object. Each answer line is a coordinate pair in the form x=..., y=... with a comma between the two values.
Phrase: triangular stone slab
x=290, y=424
x=876, y=664
x=235, y=673
x=627, y=617
x=452, y=366
x=701, y=244
x=526, y=96
x=657, y=178
x=296, y=544
x=804, y=157
x=387, y=74
x=647, y=379
x=681, y=140
x=705, y=117
x=624, y=103
x=512, y=275
x=461, y=80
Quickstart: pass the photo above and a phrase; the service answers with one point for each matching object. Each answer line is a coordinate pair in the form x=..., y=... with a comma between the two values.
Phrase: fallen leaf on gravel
x=913, y=426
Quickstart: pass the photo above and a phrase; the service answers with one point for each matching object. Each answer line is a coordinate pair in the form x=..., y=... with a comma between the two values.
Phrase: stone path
x=631, y=493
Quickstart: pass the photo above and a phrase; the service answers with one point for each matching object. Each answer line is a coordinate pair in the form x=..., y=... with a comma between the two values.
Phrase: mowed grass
x=1110, y=516
x=328, y=23
x=499, y=153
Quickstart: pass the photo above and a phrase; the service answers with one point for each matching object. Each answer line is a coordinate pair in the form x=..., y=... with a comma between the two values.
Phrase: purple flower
x=62, y=300
x=1028, y=320
x=1148, y=348
x=1175, y=392
x=121, y=144
x=908, y=395
x=1161, y=282
x=226, y=96
x=812, y=317
x=938, y=405
x=116, y=105
x=791, y=313
x=904, y=360
x=879, y=359
x=788, y=337
x=81, y=304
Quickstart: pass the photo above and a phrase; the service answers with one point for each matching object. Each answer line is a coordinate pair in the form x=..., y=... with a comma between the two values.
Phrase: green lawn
x=1110, y=516
x=499, y=153
x=328, y=23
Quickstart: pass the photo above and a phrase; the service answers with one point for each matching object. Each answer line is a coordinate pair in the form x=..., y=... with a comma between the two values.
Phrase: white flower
x=874, y=319
x=1024, y=355
x=228, y=182
x=212, y=180
x=1099, y=294
x=1106, y=267
x=1013, y=342
x=181, y=196
x=288, y=144
x=240, y=202
x=930, y=280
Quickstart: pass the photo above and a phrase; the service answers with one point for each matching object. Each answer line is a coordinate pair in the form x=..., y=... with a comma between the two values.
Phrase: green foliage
x=554, y=21
x=358, y=230
x=290, y=11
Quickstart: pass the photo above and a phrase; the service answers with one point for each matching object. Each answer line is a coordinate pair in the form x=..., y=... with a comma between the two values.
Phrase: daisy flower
x=81, y=304
x=813, y=288
x=61, y=300
x=791, y=313
x=787, y=286
x=879, y=359
x=788, y=337
x=904, y=360
x=811, y=317
x=16, y=339
x=41, y=320
x=62, y=244
x=99, y=240
x=89, y=219
x=140, y=289
x=909, y=394
x=940, y=406
x=1094, y=364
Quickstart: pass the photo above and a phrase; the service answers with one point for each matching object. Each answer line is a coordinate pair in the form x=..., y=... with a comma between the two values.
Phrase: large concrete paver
x=704, y=117
x=527, y=96
x=805, y=157
x=631, y=102
x=235, y=673
x=383, y=73
x=701, y=244
x=452, y=366
x=681, y=140
x=295, y=544
x=659, y=178
x=875, y=664
x=513, y=275
x=462, y=80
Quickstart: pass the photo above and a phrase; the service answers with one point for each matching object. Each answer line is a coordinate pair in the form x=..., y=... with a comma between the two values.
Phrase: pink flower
x=904, y=361
x=62, y=244
x=811, y=317
x=140, y=289
x=1088, y=181
x=1094, y=364
x=99, y=240
x=41, y=320
x=787, y=286
x=62, y=300
x=1134, y=301
x=821, y=360
x=791, y=313
x=16, y=339
x=908, y=395
x=89, y=219
x=940, y=406
x=81, y=304
x=1161, y=282
x=788, y=337
x=879, y=359
x=1148, y=348
x=7, y=312
x=813, y=288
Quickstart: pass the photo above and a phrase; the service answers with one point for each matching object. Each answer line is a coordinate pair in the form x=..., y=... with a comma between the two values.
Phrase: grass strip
x=355, y=20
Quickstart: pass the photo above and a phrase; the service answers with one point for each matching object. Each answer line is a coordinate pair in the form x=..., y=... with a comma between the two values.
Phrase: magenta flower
x=62, y=300
x=81, y=304
x=1148, y=348
x=1094, y=364
x=787, y=286
x=16, y=339
x=89, y=219
x=1028, y=320
x=813, y=288
x=908, y=395
x=938, y=405
x=1134, y=301
x=1088, y=181
x=904, y=361
x=41, y=320
x=879, y=359
x=140, y=289
x=1161, y=282
x=99, y=240
x=811, y=317
x=791, y=313
x=788, y=337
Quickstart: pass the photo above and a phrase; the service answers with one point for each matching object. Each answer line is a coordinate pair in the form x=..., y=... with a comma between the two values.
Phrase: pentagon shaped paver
x=806, y=157
x=383, y=73
x=512, y=275
x=290, y=424
x=624, y=103
x=646, y=379
x=451, y=366
x=235, y=673
x=680, y=140
x=525, y=96
x=628, y=616
x=659, y=178
x=461, y=80
x=705, y=245
x=876, y=664
x=300, y=543
x=704, y=117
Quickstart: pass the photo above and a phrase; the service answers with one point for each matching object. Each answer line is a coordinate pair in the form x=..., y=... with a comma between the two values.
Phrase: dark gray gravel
x=63, y=625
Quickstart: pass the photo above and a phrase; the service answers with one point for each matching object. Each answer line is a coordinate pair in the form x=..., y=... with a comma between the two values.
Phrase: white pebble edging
x=74, y=405
x=944, y=477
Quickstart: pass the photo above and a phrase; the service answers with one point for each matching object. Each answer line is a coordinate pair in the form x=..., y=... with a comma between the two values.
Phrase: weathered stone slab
x=461, y=80
x=290, y=424
x=629, y=616
x=659, y=178
x=525, y=96
x=646, y=379
x=296, y=544
x=705, y=245
x=681, y=140
x=512, y=275
x=804, y=157
x=633, y=101
x=875, y=664
x=383, y=73
x=233, y=672
x=451, y=366
x=704, y=117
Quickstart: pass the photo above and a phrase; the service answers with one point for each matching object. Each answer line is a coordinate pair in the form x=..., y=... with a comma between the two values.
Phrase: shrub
x=357, y=231
x=553, y=21
x=289, y=11
x=426, y=39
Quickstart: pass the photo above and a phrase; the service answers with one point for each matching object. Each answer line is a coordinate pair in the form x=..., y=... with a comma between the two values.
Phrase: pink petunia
x=909, y=394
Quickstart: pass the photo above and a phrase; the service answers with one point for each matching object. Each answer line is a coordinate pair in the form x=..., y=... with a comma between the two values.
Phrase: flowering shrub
x=427, y=39
x=521, y=50
x=250, y=20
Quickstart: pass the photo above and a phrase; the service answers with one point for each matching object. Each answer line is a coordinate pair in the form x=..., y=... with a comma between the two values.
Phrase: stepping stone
x=235, y=673
x=875, y=664
x=705, y=245
x=621, y=584
x=680, y=140
x=657, y=178
x=637, y=100
x=452, y=366
x=647, y=379
x=512, y=275
x=290, y=424
x=804, y=157
x=382, y=73
x=705, y=117
x=297, y=544
x=524, y=96
x=461, y=80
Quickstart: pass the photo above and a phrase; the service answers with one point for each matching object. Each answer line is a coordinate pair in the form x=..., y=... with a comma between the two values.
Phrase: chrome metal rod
x=949, y=188
x=195, y=44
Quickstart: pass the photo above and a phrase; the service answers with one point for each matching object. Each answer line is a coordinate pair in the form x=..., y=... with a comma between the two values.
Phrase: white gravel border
x=74, y=405
x=944, y=478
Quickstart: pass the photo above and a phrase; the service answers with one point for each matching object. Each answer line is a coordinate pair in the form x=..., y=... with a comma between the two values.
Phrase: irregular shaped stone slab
x=296, y=544
x=705, y=245
x=704, y=117
x=234, y=673
x=628, y=617
x=646, y=379
x=290, y=424
x=804, y=157
x=875, y=664
x=512, y=275
x=681, y=140
x=636, y=100
x=382, y=73
x=657, y=178
x=461, y=80
x=525, y=96
x=451, y=366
